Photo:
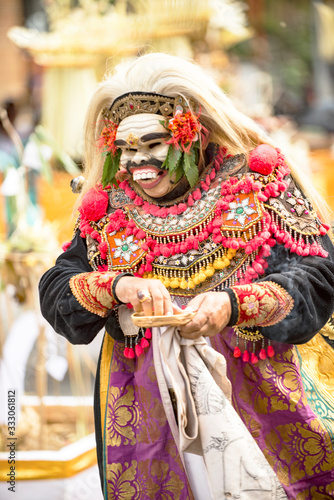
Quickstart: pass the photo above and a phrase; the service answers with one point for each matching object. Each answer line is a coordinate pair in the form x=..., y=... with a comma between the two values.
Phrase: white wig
x=172, y=76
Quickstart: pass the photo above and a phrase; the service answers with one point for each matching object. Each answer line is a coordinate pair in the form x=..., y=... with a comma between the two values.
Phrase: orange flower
x=107, y=137
x=185, y=128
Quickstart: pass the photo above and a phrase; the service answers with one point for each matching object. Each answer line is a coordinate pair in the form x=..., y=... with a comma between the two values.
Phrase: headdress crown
x=135, y=103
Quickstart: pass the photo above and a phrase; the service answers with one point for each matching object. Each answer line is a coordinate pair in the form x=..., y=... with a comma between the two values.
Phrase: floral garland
x=179, y=208
x=95, y=203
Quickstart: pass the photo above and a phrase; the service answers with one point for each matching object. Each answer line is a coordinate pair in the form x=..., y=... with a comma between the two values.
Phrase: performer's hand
x=213, y=312
x=153, y=297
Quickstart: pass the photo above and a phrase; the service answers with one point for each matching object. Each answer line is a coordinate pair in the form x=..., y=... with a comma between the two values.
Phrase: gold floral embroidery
x=250, y=305
x=305, y=448
x=147, y=479
x=123, y=416
x=317, y=493
x=94, y=291
x=252, y=424
x=165, y=484
x=153, y=416
x=262, y=304
x=122, y=483
x=281, y=387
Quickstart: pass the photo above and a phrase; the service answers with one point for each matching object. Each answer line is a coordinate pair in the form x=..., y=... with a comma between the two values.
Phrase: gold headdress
x=135, y=103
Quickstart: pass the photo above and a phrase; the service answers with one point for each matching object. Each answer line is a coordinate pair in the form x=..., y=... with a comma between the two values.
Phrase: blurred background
x=274, y=59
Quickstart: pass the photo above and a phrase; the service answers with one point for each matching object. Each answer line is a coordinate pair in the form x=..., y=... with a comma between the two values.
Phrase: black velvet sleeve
x=59, y=306
x=310, y=282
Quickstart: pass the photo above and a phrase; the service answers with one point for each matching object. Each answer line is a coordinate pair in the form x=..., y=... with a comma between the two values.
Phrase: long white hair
x=172, y=76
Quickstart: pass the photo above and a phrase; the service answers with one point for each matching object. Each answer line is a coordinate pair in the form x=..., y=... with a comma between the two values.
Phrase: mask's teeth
x=144, y=175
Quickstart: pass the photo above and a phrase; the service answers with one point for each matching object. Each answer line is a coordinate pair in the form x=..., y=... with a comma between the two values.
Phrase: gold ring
x=144, y=295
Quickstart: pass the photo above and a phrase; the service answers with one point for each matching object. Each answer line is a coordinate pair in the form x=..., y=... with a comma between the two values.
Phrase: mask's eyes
x=154, y=144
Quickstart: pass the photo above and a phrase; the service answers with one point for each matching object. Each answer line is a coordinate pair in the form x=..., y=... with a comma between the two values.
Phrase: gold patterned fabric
x=262, y=304
x=94, y=291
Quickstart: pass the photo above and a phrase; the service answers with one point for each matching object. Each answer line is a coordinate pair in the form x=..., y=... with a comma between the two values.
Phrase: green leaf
x=179, y=171
x=107, y=168
x=174, y=158
x=110, y=168
x=190, y=168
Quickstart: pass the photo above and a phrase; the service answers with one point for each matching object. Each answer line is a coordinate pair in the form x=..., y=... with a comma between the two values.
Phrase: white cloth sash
x=208, y=425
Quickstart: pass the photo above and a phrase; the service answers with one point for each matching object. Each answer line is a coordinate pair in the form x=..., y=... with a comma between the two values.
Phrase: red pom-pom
x=94, y=204
x=126, y=352
x=254, y=358
x=131, y=353
x=65, y=246
x=245, y=357
x=237, y=352
x=139, y=350
x=144, y=343
x=148, y=333
x=263, y=354
x=270, y=351
x=263, y=159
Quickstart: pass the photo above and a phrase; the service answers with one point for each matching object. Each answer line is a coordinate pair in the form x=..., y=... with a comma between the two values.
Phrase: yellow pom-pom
x=201, y=276
x=218, y=264
x=166, y=282
x=231, y=253
x=209, y=271
x=183, y=284
x=196, y=279
x=226, y=261
x=174, y=283
x=191, y=284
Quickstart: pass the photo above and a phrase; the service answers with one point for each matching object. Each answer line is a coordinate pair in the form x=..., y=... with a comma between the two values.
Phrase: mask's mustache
x=152, y=161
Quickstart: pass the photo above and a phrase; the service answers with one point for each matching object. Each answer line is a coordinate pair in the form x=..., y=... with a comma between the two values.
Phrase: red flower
x=185, y=128
x=107, y=137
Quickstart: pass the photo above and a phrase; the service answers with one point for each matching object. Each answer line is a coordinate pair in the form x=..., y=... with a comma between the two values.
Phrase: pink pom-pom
x=245, y=357
x=126, y=352
x=263, y=159
x=263, y=354
x=94, y=234
x=65, y=246
x=103, y=247
x=131, y=353
x=144, y=343
x=94, y=204
x=254, y=358
x=237, y=352
x=138, y=201
x=217, y=238
x=270, y=351
x=141, y=235
x=139, y=350
x=182, y=207
x=197, y=194
x=173, y=210
x=148, y=333
x=190, y=201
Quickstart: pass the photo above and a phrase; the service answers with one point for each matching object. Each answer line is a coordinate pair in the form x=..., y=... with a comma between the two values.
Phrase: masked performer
x=208, y=217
